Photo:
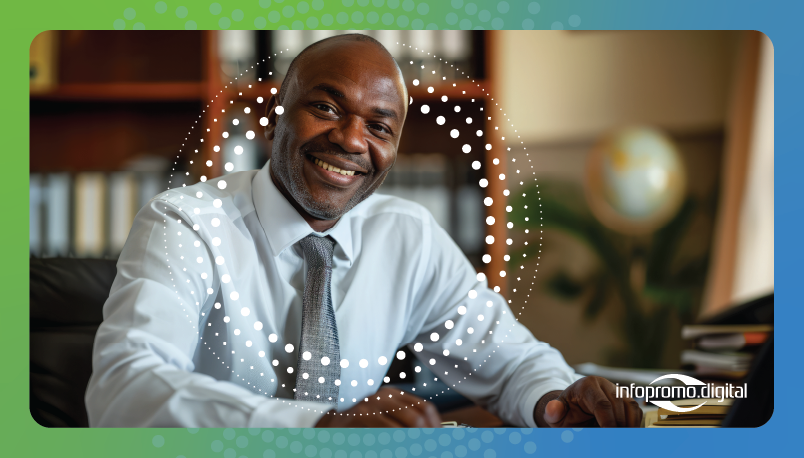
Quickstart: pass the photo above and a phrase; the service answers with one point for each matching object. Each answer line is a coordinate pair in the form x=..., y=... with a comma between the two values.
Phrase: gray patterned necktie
x=315, y=381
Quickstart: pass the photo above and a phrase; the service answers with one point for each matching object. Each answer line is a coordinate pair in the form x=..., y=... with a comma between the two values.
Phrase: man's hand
x=393, y=409
x=591, y=401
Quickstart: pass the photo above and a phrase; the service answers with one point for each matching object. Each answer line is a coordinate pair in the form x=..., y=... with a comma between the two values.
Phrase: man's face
x=344, y=109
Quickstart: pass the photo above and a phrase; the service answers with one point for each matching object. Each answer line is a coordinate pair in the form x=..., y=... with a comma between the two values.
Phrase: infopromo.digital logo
x=693, y=388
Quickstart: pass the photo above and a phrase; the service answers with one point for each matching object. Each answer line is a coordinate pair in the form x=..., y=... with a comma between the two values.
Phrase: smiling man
x=278, y=297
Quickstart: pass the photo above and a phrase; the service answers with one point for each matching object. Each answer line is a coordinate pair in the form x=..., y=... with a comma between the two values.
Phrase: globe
x=635, y=180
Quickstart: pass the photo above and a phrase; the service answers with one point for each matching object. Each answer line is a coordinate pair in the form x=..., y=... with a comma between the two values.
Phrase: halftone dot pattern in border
x=368, y=443
x=359, y=14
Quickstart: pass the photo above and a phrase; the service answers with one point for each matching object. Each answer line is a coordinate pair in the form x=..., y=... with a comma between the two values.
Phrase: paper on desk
x=627, y=375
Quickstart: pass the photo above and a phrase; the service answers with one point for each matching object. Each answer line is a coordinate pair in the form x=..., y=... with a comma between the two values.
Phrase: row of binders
x=447, y=55
x=90, y=214
x=423, y=47
x=87, y=214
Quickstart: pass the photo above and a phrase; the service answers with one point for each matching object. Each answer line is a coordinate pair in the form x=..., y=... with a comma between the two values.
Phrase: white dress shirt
x=203, y=320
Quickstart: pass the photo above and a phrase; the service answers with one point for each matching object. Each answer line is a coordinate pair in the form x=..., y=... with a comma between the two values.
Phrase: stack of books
x=709, y=415
x=723, y=351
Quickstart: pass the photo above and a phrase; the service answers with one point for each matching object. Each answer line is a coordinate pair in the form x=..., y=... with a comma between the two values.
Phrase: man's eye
x=324, y=107
x=379, y=127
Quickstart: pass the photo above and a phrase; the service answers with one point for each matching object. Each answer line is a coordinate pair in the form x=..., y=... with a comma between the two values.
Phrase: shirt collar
x=283, y=225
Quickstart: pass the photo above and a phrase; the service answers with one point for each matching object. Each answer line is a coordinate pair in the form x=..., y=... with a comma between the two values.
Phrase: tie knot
x=318, y=250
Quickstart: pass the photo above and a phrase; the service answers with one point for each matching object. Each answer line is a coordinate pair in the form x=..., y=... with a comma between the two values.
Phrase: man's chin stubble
x=326, y=209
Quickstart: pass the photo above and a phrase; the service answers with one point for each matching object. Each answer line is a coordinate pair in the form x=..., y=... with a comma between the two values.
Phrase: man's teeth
x=332, y=168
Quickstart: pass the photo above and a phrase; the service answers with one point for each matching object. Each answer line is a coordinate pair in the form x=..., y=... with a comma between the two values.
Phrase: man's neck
x=318, y=225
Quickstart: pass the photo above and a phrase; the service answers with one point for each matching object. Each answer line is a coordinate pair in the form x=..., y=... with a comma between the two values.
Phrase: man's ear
x=270, y=113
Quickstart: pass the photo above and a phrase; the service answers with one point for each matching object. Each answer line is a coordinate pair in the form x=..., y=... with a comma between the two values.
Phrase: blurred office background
x=110, y=113
x=113, y=122
x=611, y=272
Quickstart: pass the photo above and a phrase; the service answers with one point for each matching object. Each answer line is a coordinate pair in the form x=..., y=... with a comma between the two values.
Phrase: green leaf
x=599, y=297
x=666, y=242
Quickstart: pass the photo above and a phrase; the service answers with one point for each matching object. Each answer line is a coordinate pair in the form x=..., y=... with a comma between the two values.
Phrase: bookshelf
x=454, y=90
x=125, y=92
x=117, y=97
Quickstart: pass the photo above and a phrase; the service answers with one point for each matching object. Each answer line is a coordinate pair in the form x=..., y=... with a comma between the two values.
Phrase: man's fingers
x=591, y=400
x=599, y=405
x=411, y=417
x=382, y=421
x=427, y=410
x=555, y=411
x=382, y=406
x=604, y=414
x=619, y=405
x=430, y=414
x=633, y=413
x=388, y=408
x=353, y=419
x=411, y=410
x=399, y=418
x=385, y=414
x=408, y=416
x=619, y=408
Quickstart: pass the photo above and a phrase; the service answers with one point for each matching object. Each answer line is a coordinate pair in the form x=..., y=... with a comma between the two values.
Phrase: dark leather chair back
x=67, y=297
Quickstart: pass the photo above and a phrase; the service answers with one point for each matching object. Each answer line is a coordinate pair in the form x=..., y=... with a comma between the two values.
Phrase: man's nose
x=350, y=135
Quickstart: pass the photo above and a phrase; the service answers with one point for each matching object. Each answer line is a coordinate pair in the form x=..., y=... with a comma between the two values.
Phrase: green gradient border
x=24, y=20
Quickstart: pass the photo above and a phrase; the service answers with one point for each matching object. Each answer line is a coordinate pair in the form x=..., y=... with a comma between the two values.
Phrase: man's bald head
x=309, y=50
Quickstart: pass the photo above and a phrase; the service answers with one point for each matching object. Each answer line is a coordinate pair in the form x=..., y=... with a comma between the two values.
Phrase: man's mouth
x=332, y=168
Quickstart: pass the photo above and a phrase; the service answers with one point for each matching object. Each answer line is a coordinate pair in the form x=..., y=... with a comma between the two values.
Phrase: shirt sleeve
x=469, y=337
x=143, y=353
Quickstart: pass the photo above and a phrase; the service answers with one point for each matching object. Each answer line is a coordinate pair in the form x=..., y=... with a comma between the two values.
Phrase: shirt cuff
x=284, y=413
x=537, y=393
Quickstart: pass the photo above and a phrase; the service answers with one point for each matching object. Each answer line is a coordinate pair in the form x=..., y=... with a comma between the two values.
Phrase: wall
x=560, y=85
x=753, y=270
